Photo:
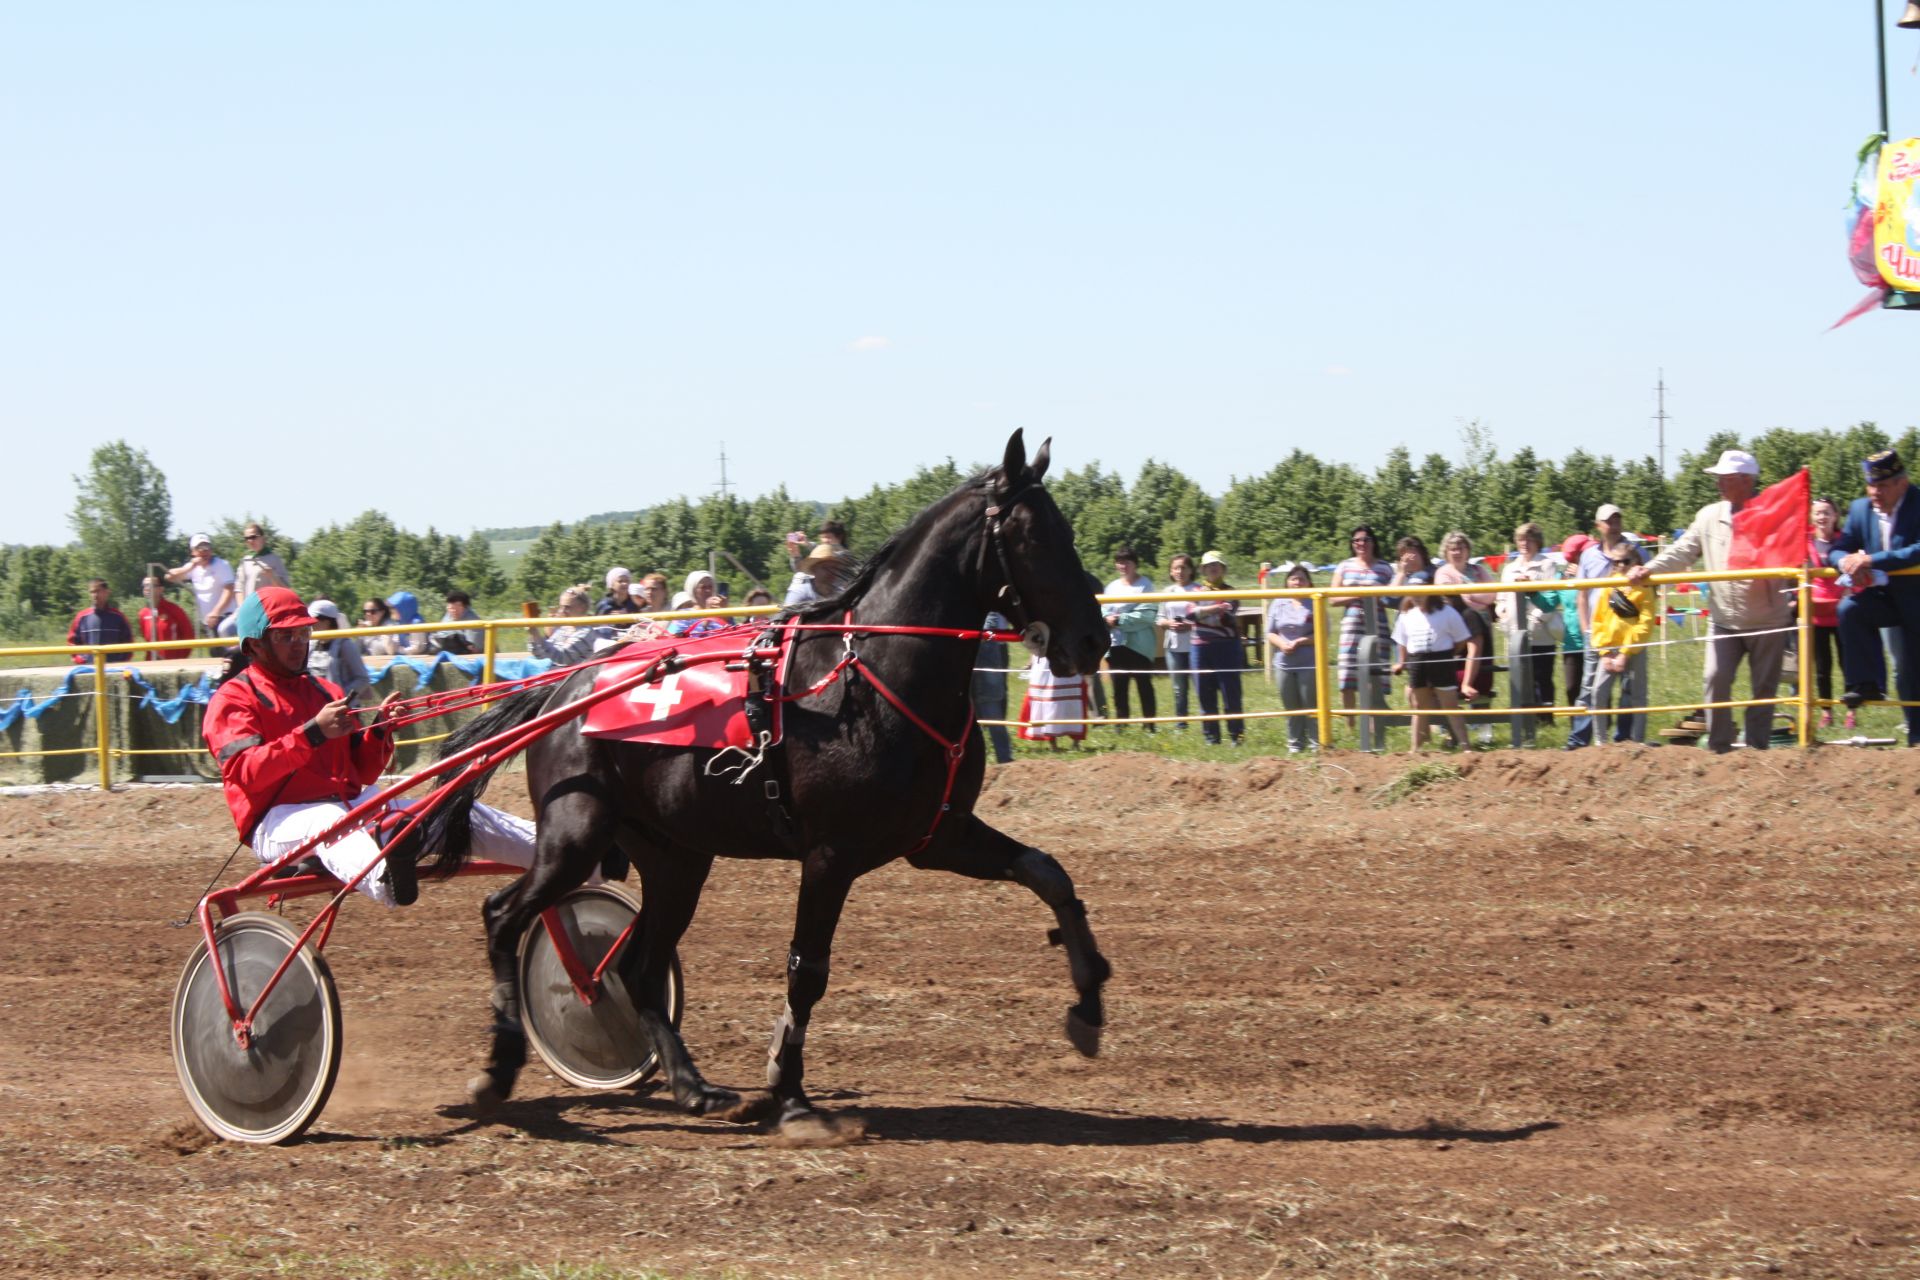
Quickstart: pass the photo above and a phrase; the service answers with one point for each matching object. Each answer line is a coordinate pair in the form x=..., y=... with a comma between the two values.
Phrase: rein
x=432, y=705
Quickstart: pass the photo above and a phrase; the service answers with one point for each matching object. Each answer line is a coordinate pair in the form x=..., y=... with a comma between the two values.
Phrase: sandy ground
x=1633, y=1013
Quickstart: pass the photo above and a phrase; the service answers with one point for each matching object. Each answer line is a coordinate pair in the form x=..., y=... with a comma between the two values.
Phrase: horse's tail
x=447, y=833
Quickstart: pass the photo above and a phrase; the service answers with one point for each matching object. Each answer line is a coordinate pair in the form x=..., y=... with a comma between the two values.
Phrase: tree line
x=1300, y=509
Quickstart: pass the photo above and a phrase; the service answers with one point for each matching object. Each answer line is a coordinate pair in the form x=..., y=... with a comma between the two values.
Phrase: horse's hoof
x=810, y=1128
x=484, y=1093
x=734, y=1108
x=1084, y=1035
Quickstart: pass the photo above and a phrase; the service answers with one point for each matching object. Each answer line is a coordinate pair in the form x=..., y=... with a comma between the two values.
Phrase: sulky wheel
x=597, y=1045
x=271, y=1090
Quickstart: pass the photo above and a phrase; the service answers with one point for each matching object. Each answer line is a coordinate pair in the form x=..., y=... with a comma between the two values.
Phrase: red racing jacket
x=259, y=727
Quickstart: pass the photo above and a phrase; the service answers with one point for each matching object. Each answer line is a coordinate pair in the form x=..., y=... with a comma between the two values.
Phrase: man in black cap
x=1882, y=534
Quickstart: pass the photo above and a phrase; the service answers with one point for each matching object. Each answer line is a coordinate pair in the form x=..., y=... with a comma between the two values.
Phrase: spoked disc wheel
x=271, y=1090
x=597, y=1045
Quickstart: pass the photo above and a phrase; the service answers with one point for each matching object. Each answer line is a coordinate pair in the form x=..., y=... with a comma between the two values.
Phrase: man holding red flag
x=1882, y=534
x=1750, y=619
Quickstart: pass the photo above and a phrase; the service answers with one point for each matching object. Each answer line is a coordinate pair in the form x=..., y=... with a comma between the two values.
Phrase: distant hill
x=528, y=532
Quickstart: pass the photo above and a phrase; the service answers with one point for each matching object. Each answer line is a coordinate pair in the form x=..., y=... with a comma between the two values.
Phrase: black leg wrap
x=806, y=982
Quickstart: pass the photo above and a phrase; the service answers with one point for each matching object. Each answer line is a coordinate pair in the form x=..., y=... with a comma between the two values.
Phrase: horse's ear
x=1042, y=458
x=1015, y=460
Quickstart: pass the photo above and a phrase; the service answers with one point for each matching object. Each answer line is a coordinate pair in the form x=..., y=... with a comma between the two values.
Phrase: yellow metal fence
x=106, y=753
x=1324, y=657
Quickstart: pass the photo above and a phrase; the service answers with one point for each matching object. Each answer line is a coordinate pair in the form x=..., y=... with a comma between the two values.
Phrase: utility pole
x=723, y=487
x=1660, y=419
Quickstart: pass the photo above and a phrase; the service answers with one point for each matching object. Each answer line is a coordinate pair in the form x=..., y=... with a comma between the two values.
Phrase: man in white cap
x=212, y=581
x=1750, y=618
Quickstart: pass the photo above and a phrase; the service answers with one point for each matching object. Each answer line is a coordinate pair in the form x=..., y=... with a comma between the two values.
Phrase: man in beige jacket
x=1751, y=618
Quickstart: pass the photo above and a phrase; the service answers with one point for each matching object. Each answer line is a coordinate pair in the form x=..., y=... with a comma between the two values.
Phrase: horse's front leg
x=823, y=894
x=976, y=850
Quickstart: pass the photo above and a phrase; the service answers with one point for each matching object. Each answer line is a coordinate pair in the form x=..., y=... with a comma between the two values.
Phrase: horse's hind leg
x=978, y=851
x=575, y=829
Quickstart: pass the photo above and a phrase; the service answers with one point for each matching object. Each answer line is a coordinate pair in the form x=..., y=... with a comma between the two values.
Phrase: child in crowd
x=1429, y=637
x=1621, y=624
x=1055, y=706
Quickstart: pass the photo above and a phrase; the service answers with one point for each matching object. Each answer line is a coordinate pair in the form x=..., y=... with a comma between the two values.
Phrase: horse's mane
x=867, y=568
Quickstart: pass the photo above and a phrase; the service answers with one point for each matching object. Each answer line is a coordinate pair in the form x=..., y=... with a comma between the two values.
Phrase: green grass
x=507, y=552
x=1674, y=679
x=1419, y=776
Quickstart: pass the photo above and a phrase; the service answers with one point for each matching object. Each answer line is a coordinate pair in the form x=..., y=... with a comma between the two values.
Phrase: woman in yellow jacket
x=1622, y=623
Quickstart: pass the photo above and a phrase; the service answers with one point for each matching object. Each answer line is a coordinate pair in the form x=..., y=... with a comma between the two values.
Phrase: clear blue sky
x=501, y=264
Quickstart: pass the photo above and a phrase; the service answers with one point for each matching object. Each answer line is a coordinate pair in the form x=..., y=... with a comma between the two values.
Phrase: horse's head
x=1030, y=561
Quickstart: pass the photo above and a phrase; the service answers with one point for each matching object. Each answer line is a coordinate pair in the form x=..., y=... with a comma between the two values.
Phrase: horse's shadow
x=989, y=1120
x=1024, y=1124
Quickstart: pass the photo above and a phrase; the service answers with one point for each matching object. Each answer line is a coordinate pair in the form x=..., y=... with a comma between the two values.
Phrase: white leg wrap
x=785, y=1032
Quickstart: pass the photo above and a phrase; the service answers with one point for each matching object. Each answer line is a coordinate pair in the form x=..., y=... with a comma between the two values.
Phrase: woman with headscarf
x=698, y=593
x=619, y=597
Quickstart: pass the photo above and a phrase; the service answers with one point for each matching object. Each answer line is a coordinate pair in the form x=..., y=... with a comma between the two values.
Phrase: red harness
x=954, y=749
x=670, y=658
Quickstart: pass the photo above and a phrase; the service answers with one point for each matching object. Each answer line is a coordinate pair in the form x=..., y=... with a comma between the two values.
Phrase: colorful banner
x=1896, y=216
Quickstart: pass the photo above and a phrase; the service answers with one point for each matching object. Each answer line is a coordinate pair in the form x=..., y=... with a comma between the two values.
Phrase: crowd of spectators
x=1445, y=645
x=1594, y=639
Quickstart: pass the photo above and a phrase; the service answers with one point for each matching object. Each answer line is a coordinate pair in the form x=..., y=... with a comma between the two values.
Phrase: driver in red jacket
x=294, y=757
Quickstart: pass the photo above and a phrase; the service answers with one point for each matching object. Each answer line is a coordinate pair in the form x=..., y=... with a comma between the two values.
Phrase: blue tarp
x=24, y=704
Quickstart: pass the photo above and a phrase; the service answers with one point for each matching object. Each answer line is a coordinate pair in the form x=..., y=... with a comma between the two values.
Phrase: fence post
x=1322, y=681
x=1366, y=659
x=1520, y=685
x=103, y=737
x=1804, y=634
x=1520, y=669
x=486, y=660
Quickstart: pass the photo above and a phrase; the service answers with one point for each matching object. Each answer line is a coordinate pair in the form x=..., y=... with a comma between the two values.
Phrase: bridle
x=995, y=541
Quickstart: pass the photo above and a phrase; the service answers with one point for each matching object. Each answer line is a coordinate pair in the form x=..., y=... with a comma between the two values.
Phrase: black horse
x=863, y=784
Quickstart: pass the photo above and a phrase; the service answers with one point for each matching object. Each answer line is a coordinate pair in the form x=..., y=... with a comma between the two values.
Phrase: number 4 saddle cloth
x=700, y=704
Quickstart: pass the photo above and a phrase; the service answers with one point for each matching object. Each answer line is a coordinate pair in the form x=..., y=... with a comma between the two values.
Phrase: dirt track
x=1657, y=1017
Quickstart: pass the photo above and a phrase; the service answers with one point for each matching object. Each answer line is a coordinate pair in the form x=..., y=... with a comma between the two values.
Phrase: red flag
x=1770, y=532
x=1494, y=562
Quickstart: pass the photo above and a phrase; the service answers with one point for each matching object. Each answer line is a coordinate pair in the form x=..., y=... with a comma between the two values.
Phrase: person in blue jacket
x=1882, y=534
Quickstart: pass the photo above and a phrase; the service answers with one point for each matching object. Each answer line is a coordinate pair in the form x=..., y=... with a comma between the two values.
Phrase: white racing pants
x=496, y=835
